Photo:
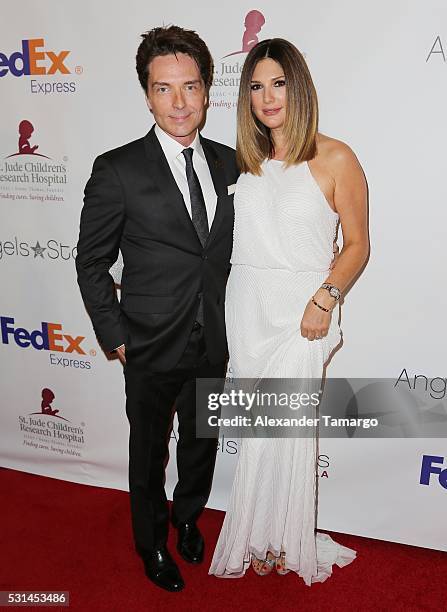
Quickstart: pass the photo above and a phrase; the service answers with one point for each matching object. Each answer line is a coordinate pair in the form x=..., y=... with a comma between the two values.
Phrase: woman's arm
x=350, y=196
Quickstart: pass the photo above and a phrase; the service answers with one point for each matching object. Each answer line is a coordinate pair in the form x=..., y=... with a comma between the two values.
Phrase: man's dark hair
x=173, y=40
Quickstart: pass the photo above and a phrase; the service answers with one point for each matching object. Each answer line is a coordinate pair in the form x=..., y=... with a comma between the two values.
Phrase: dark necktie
x=198, y=212
x=198, y=208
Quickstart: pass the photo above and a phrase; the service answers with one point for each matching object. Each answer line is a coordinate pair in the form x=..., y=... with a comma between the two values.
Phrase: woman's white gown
x=283, y=238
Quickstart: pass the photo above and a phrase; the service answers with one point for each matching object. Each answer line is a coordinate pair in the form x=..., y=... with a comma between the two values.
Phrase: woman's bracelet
x=319, y=305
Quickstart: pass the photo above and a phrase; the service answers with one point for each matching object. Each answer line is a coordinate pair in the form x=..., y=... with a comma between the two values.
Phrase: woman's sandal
x=263, y=566
x=280, y=564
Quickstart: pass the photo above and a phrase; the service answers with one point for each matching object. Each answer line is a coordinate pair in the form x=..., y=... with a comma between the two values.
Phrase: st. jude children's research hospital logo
x=64, y=350
x=42, y=65
x=28, y=173
x=26, y=130
x=227, y=71
x=48, y=431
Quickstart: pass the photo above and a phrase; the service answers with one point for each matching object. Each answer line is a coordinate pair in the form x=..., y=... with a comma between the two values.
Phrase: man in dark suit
x=165, y=201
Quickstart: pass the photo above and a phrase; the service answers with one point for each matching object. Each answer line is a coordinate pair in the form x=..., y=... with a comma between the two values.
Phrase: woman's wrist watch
x=333, y=290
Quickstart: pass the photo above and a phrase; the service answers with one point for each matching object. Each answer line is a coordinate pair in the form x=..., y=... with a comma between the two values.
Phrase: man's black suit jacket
x=133, y=203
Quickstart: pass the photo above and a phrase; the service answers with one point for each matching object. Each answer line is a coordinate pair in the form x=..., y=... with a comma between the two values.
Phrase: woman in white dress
x=296, y=185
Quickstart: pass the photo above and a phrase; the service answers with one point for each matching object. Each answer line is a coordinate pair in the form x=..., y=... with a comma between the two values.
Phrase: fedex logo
x=32, y=59
x=48, y=337
x=428, y=468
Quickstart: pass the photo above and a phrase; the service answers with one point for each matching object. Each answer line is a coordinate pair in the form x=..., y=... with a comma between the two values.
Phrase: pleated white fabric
x=282, y=249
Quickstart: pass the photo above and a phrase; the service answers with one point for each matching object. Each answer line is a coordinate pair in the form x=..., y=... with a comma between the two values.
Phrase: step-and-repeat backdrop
x=69, y=91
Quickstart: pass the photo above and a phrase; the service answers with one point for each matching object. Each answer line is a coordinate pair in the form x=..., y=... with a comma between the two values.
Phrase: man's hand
x=336, y=252
x=121, y=351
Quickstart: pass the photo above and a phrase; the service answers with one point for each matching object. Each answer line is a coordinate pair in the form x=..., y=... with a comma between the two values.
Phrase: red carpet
x=62, y=536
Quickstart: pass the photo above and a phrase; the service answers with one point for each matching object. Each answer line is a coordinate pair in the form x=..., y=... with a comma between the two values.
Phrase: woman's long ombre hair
x=254, y=141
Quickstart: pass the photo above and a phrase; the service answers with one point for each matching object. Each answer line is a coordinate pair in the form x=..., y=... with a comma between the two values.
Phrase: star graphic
x=38, y=250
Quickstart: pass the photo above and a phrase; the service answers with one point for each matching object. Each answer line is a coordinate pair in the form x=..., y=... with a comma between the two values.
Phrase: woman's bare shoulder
x=333, y=150
x=337, y=156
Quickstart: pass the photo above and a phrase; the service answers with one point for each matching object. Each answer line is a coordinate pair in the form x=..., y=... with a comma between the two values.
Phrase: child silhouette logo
x=26, y=130
x=45, y=406
x=47, y=397
x=254, y=20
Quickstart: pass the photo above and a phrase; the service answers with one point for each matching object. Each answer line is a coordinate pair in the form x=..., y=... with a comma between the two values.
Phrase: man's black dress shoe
x=162, y=570
x=190, y=542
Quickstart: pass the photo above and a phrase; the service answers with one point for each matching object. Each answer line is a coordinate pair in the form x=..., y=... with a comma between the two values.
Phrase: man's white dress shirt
x=176, y=160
